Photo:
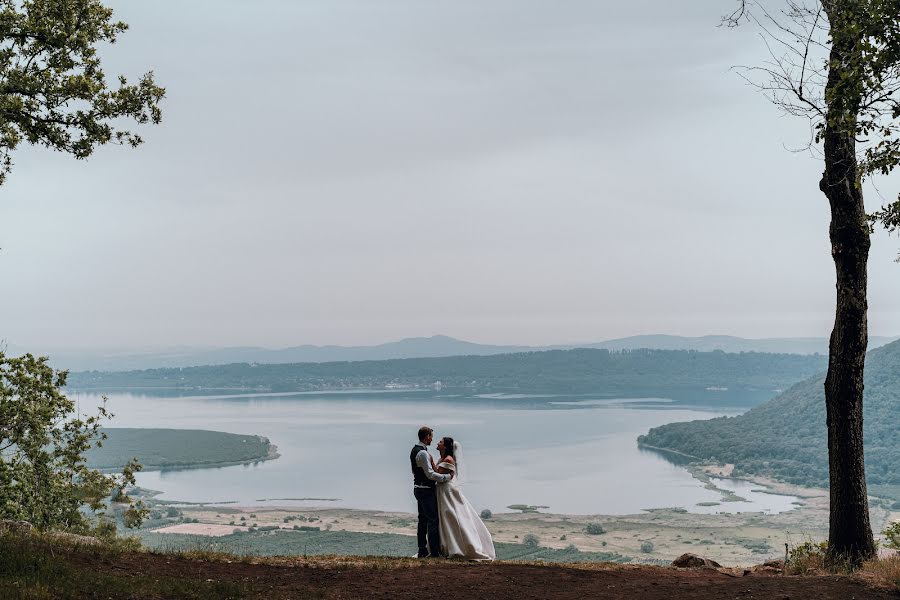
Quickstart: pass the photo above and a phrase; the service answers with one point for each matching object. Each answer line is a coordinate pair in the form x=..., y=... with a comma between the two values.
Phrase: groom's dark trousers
x=429, y=534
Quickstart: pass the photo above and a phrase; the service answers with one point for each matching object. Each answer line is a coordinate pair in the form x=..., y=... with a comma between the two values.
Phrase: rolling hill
x=786, y=437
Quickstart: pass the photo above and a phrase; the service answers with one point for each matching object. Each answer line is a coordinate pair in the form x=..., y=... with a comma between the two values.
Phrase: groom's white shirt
x=423, y=460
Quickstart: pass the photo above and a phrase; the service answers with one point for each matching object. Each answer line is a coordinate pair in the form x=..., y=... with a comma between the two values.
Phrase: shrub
x=807, y=557
x=44, y=478
x=531, y=541
x=647, y=547
x=173, y=512
x=892, y=534
x=563, y=538
x=486, y=514
x=594, y=529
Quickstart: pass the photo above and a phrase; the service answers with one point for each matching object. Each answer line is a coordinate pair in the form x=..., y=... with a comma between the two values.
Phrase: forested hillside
x=786, y=437
x=560, y=371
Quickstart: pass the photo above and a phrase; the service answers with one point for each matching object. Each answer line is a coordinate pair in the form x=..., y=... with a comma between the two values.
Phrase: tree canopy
x=53, y=90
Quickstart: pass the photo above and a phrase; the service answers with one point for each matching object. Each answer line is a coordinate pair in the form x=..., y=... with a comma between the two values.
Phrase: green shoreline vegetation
x=786, y=438
x=556, y=371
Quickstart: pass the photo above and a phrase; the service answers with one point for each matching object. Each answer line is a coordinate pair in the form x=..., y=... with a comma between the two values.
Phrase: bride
x=463, y=534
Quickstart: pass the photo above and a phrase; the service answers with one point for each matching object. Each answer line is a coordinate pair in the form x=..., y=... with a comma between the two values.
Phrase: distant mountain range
x=419, y=347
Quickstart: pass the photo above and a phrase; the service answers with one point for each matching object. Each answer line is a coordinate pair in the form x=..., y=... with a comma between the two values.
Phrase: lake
x=573, y=454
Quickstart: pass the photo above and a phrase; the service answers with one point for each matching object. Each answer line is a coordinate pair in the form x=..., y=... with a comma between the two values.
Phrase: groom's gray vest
x=419, y=477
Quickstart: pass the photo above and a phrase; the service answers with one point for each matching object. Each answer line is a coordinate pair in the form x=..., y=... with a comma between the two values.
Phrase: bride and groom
x=448, y=525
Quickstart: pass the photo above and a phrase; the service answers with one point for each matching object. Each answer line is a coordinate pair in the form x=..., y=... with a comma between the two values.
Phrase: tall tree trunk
x=850, y=533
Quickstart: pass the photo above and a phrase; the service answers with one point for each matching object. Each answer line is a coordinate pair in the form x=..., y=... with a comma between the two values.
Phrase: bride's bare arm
x=444, y=470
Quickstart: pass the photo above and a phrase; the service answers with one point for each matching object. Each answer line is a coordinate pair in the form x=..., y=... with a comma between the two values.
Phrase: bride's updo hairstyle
x=448, y=446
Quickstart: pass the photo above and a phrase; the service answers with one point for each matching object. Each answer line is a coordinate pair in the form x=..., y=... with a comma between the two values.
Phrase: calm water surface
x=576, y=455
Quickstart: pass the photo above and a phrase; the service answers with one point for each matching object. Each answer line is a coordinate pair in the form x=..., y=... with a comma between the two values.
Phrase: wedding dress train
x=463, y=534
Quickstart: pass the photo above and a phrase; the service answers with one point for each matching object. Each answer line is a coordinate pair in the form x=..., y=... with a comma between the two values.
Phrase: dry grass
x=882, y=572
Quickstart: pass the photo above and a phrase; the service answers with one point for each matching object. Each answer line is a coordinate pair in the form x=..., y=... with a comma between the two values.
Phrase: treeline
x=786, y=437
x=557, y=371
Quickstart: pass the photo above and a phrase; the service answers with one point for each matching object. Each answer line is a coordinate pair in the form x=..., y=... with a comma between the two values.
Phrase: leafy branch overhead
x=53, y=91
x=866, y=104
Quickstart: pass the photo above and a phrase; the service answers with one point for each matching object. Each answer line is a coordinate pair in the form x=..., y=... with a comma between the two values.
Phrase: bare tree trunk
x=850, y=533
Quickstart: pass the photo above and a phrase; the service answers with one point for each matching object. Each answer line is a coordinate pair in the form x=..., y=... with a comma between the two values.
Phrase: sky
x=502, y=171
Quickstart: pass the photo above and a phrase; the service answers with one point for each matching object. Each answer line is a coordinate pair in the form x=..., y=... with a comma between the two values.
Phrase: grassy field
x=319, y=543
x=651, y=536
x=178, y=448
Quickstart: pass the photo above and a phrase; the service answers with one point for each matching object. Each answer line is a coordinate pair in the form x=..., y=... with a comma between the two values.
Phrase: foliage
x=863, y=101
x=486, y=514
x=786, y=437
x=647, y=547
x=53, y=91
x=594, y=529
x=892, y=535
x=43, y=475
x=558, y=371
x=531, y=541
x=807, y=557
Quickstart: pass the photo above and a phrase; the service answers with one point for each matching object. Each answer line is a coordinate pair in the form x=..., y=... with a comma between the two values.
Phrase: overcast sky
x=357, y=171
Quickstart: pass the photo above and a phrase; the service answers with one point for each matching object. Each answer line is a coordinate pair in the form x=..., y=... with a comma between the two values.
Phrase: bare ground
x=346, y=578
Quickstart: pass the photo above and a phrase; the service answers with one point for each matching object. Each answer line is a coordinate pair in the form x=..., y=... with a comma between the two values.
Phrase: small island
x=162, y=449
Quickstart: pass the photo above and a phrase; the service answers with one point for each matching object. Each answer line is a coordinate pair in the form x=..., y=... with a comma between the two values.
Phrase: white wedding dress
x=463, y=534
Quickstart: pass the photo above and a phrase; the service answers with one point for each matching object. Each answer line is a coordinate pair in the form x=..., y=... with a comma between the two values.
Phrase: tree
x=53, y=91
x=43, y=475
x=837, y=63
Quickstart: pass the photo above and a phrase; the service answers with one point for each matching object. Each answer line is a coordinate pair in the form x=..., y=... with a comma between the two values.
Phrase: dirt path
x=409, y=579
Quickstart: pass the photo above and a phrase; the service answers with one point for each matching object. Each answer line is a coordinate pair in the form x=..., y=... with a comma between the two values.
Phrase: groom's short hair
x=424, y=432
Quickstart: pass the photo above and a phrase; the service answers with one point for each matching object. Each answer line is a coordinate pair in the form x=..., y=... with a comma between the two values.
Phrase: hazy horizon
x=506, y=172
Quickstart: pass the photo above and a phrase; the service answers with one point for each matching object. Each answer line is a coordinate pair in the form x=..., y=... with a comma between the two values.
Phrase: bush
x=594, y=529
x=892, y=534
x=486, y=514
x=44, y=478
x=807, y=557
x=647, y=547
x=173, y=512
x=531, y=541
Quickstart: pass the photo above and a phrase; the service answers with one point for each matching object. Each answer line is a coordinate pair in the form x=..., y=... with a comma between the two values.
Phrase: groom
x=424, y=483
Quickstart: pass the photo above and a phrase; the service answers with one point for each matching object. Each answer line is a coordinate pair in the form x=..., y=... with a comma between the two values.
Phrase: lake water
x=575, y=455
